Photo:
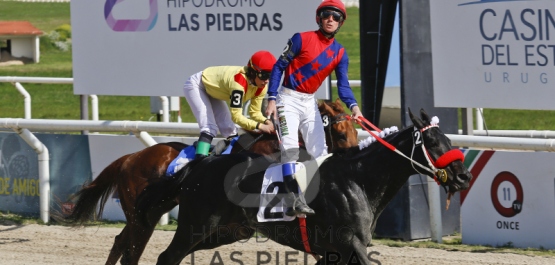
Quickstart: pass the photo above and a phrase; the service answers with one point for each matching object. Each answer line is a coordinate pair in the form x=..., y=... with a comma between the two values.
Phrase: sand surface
x=40, y=244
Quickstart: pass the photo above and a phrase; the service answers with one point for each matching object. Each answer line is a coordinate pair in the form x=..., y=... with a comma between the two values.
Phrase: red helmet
x=333, y=4
x=262, y=61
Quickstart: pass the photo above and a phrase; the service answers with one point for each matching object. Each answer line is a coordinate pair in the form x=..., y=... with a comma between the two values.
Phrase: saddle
x=187, y=154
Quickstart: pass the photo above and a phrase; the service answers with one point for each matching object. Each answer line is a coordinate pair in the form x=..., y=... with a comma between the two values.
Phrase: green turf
x=53, y=101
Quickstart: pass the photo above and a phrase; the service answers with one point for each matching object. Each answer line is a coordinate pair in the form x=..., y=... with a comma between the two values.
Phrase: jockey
x=307, y=60
x=209, y=92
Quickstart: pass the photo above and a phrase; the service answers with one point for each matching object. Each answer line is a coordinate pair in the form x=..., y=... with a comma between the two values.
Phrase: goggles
x=263, y=75
x=336, y=16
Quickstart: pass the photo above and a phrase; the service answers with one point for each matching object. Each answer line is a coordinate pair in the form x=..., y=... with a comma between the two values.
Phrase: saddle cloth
x=272, y=207
x=188, y=154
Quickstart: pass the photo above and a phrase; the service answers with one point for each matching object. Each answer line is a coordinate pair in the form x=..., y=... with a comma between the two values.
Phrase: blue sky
x=393, y=77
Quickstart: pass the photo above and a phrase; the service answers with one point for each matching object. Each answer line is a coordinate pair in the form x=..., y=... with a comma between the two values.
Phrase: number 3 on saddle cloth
x=188, y=154
x=272, y=195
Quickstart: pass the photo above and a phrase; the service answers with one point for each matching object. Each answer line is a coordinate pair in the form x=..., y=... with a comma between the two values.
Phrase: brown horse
x=130, y=174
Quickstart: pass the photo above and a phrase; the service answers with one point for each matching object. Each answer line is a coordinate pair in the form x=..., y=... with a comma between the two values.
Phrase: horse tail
x=94, y=193
x=165, y=191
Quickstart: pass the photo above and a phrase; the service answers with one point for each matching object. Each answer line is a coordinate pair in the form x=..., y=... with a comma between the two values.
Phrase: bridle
x=436, y=168
x=328, y=121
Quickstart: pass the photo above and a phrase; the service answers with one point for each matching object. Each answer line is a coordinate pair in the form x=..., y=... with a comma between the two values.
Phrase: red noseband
x=446, y=159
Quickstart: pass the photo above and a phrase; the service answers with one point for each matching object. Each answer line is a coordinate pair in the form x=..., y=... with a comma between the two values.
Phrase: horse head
x=445, y=163
x=339, y=129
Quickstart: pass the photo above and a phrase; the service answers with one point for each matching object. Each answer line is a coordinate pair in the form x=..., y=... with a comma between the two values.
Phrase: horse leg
x=118, y=247
x=136, y=243
x=348, y=256
x=143, y=231
x=182, y=245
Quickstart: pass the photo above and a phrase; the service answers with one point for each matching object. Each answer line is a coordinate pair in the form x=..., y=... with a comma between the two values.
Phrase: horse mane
x=247, y=139
x=355, y=153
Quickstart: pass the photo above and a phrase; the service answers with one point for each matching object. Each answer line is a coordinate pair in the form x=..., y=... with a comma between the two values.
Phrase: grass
x=454, y=243
x=44, y=16
x=56, y=63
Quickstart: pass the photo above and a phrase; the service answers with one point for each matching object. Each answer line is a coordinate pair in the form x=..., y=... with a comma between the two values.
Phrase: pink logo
x=130, y=24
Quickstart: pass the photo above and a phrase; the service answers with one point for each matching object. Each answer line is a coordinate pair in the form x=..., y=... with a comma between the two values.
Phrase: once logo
x=506, y=194
x=130, y=24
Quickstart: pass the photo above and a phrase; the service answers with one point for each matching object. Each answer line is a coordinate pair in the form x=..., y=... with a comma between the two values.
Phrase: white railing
x=16, y=81
x=140, y=129
x=350, y=3
x=493, y=142
x=514, y=133
x=351, y=82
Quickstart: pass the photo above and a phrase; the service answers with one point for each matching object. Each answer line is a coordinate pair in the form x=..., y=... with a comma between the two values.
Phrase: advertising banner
x=493, y=53
x=19, y=178
x=511, y=201
x=151, y=47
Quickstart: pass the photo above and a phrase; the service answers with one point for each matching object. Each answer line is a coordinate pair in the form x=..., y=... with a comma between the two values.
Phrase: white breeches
x=211, y=114
x=301, y=114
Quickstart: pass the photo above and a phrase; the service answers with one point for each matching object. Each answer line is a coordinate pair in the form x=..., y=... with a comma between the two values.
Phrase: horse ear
x=411, y=115
x=323, y=106
x=415, y=120
x=338, y=105
x=425, y=116
x=329, y=107
x=337, y=102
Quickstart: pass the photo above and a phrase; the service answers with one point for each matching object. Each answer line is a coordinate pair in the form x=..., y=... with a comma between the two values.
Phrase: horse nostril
x=463, y=178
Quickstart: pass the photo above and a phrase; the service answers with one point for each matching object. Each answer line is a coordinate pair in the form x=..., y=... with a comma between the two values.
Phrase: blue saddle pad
x=230, y=146
x=186, y=155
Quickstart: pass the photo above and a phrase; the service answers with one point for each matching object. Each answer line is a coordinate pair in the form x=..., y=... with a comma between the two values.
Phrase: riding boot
x=294, y=200
x=203, y=145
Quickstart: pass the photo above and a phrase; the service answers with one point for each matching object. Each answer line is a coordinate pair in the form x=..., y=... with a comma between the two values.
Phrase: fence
x=141, y=129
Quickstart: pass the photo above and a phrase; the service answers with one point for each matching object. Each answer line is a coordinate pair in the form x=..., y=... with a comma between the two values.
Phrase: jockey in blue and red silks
x=307, y=60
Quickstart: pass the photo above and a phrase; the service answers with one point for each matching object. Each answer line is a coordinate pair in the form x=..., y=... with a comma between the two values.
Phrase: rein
x=434, y=167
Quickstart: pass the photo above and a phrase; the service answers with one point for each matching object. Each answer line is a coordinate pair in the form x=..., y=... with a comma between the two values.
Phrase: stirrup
x=200, y=156
x=299, y=207
x=291, y=211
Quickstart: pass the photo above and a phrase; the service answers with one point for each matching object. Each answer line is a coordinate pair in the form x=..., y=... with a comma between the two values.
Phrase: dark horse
x=131, y=173
x=350, y=192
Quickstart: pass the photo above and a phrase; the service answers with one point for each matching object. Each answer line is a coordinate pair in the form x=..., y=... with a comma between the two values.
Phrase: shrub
x=64, y=31
x=56, y=39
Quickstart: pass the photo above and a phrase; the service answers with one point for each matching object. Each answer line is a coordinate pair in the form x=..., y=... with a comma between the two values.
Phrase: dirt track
x=39, y=244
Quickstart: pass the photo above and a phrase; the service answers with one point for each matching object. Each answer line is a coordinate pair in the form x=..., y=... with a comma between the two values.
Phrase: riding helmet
x=336, y=5
x=262, y=61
